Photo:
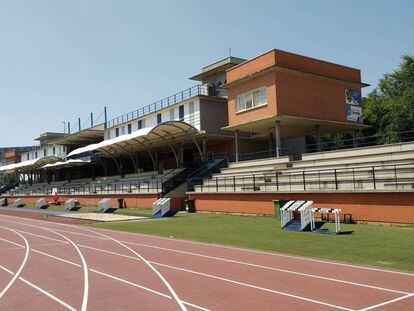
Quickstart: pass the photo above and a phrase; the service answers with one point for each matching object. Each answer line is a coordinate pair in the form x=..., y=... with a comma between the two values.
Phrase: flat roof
x=84, y=137
x=49, y=136
x=221, y=65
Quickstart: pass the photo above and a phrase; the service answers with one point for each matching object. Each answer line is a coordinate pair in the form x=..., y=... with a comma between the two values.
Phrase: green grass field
x=382, y=246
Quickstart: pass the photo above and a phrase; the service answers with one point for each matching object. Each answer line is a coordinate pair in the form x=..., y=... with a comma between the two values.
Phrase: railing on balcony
x=197, y=90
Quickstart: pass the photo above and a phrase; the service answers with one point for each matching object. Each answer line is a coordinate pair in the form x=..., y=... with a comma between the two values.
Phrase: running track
x=52, y=266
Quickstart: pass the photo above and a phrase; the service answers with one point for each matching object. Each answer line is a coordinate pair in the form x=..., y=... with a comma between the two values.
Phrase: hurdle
x=334, y=211
x=3, y=202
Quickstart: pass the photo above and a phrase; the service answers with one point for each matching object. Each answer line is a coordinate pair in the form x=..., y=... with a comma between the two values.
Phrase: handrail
x=166, y=102
x=370, y=177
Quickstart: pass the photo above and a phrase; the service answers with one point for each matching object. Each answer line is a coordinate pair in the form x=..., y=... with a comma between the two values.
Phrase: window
x=117, y=132
x=45, y=152
x=159, y=119
x=54, y=150
x=141, y=124
x=129, y=128
x=36, y=155
x=252, y=99
x=181, y=113
x=28, y=156
x=172, y=114
x=191, y=112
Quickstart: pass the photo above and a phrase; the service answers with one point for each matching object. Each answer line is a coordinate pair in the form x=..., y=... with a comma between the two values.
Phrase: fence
x=385, y=177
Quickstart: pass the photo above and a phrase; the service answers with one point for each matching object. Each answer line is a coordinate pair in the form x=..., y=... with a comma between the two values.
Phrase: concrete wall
x=387, y=207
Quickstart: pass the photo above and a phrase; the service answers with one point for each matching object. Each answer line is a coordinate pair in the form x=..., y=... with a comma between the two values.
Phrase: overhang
x=29, y=165
x=85, y=137
x=292, y=126
x=68, y=163
x=163, y=134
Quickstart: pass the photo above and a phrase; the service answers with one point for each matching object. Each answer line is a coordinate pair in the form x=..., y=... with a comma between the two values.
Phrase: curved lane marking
x=19, y=271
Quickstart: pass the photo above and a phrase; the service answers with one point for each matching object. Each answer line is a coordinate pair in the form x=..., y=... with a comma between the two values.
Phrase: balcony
x=197, y=90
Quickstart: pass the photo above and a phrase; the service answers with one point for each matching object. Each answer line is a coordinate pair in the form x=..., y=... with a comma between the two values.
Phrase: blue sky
x=64, y=59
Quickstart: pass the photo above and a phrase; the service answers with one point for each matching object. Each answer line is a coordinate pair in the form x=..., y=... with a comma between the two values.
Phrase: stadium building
x=249, y=133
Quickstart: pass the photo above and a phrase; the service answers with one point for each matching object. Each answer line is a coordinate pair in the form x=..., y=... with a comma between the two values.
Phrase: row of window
x=251, y=99
x=45, y=153
x=141, y=123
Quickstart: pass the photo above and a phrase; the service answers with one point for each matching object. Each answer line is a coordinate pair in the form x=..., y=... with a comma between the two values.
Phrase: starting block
x=72, y=205
x=41, y=203
x=105, y=206
x=3, y=202
x=18, y=203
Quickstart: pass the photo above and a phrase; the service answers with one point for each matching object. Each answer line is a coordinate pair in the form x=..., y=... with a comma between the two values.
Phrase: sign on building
x=353, y=100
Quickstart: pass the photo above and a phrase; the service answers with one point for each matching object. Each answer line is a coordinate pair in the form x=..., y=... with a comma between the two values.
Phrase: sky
x=60, y=60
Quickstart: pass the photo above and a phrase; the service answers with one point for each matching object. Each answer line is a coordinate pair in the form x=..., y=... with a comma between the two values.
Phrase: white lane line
x=253, y=286
x=269, y=253
x=19, y=271
x=249, y=264
x=216, y=277
x=108, y=275
x=387, y=302
x=212, y=245
x=41, y=290
x=84, y=264
x=271, y=268
x=246, y=284
x=186, y=269
x=162, y=278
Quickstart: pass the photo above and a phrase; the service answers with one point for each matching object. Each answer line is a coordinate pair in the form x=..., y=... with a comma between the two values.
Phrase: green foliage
x=389, y=108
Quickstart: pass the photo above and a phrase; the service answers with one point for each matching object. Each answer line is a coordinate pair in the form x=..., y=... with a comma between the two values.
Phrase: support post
x=318, y=137
x=105, y=118
x=204, y=149
x=236, y=145
x=278, y=140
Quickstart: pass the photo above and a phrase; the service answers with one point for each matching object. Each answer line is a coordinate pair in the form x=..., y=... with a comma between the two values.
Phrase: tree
x=389, y=108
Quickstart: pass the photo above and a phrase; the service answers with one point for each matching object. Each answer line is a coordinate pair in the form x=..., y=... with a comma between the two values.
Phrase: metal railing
x=168, y=101
x=351, y=143
x=380, y=177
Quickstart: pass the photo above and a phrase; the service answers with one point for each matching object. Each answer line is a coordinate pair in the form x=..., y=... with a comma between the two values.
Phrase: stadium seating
x=148, y=182
x=368, y=168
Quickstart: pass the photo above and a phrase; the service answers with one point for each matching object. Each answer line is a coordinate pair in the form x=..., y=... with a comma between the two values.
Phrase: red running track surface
x=77, y=268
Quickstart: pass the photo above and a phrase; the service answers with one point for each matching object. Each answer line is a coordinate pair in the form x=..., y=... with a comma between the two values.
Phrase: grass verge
x=375, y=245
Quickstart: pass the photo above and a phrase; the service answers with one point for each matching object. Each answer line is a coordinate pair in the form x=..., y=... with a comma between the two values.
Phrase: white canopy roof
x=29, y=164
x=164, y=133
x=67, y=163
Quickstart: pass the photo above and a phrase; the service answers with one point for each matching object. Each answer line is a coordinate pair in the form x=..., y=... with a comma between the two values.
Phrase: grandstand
x=248, y=134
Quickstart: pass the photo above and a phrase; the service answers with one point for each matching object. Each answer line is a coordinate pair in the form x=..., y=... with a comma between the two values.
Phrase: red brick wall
x=131, y=200
x=377, y=207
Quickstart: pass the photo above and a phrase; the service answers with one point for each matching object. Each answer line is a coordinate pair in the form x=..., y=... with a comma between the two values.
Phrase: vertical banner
x=353, y=100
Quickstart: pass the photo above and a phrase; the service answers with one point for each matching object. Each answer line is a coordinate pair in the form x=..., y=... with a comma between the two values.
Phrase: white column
x=236, y=145
x=278, y=140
